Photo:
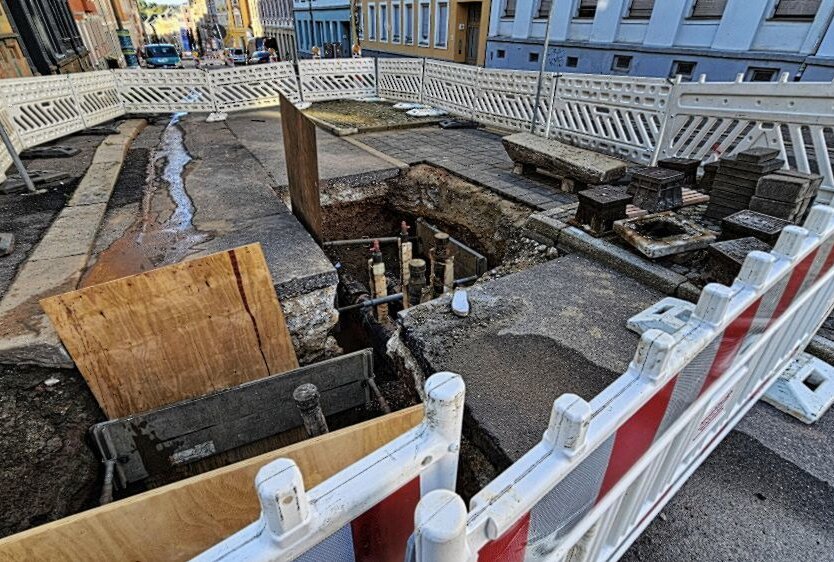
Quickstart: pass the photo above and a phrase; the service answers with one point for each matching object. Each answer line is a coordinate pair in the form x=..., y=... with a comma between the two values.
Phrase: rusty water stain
x=164, y=232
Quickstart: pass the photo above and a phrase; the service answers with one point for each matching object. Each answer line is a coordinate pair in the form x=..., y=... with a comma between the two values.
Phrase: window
x=761, y=74
x=360, y=24
x=796, y=9
x=383, y=22
x=572, y=62
x=501, y=53
x=622, y=63
x=544, y=8
x=409, y=23
x=532, y=57
x=587, y=9
x=683, y=68
x=424, y=24
x=708, y=9
x=395, y=22
x=641, y=9
x=371, y=22
x=509, y=8
x=441, y=29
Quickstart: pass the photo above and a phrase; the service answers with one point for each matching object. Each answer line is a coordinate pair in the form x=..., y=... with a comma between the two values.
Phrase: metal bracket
x=805, y=390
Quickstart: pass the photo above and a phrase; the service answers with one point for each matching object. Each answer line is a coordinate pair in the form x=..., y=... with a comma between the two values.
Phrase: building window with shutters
x=641, y=9
x=587, y=9
x=424, y=23
x=708, y=9
x=371, y=22
x=383, y=22
x=509, y=9
x=544, y=8
x=801, y=10
x=395, y=21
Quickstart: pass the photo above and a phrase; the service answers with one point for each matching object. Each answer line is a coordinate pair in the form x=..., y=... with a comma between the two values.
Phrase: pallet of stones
x=785, y=194
x=736, y=180
x=657, y=189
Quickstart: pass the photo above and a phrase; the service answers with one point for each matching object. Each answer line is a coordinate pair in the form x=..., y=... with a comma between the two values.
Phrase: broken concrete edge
x=378, y=154
x=551, y=231
x=39, y=344
x=822, y=348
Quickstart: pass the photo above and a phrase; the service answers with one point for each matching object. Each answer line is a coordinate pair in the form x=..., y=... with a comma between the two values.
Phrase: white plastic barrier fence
x=622, y=116
x=41, y=109
x=330, y=79
x=164, y=91
x=250, y=87
x=707, y=120
x=97, y=96
x=604, y=469
x=400, y=79
x=450, y=86
x=363, y=513
x=507, y=99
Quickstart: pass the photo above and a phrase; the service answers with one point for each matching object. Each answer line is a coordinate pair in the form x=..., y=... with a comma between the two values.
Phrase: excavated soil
x=345, y=114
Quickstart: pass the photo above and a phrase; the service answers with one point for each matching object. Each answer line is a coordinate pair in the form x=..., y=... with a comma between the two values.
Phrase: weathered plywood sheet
x=176, y=332
x=301, y=156
x=178, y=521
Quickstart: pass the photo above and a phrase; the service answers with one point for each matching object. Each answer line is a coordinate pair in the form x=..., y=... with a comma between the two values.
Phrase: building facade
x=13, y=63
x=759, y=39
x=97, y=25
x=239, y=27
x=277, y=23
x=49, y=35
x=321, y=23
x=453, y=30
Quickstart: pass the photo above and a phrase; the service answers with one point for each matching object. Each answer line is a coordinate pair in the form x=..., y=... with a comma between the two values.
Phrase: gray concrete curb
x=57, y=262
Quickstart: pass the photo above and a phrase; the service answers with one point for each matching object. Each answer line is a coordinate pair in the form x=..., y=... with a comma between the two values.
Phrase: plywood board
x=301, y=156
x=178, y=521
x=176, y=332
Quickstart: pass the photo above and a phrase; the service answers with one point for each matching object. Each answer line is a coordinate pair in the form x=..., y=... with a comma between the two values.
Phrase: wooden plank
x=301, y=156
x=152, y=443
x=178, y=521
x=176, y=332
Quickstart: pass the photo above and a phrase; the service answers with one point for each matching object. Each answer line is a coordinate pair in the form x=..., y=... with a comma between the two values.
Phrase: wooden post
x=302, y=166
x=308, y=401
x=378, y=283
x=417, y=281
x=405, y=258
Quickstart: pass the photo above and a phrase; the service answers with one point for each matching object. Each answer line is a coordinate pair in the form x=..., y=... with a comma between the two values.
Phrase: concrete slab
x=97, y=184
x=71, y=234
x=530, y=337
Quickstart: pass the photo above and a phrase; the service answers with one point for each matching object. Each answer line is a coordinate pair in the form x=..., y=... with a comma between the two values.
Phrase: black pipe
x=372, y=302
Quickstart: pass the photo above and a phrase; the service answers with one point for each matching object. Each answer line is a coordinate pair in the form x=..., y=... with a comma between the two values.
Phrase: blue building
x=322, y=23
x=720, y=38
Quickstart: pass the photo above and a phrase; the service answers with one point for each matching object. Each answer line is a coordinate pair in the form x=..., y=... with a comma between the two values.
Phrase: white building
x=276, y=18
x=720, y=38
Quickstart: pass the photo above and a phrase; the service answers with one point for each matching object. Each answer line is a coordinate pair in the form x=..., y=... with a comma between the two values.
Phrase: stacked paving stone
x=785, y=194
x=687, y=166
x=657, y=189
x=727, y=257
x=736, y=180
x=600, y=207
x=750, y=223
x=710, y=171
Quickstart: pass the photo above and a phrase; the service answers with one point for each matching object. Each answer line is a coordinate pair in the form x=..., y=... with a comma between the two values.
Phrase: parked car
x=235, y=56
x=161, y=55
x=260, y=57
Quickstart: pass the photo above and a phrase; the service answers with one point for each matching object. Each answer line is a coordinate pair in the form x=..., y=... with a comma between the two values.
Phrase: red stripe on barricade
x=635, y=436
x=795, y=282
x=731, y=341
x=381, y=533
x=509, y=547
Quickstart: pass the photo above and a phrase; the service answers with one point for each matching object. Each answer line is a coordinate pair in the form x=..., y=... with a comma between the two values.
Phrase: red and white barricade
x=604, y=469
x=363, y=513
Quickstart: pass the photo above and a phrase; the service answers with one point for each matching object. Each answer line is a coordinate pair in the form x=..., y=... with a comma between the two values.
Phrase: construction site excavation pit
x=404, y=214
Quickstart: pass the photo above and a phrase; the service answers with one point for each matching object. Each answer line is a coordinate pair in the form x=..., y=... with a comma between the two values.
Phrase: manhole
x=663, y=234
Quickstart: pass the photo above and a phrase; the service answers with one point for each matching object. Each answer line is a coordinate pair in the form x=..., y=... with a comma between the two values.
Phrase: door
x=473, y=32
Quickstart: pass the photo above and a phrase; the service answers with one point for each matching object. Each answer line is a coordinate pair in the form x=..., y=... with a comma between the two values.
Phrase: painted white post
x=284, y=504
x=568, y=426
x=444, y=413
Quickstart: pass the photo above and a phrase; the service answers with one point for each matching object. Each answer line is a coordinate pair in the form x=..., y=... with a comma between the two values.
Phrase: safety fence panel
x=332, y=79
x=622, y=116
x=451, y=86
x=97, y=96
x=236, y=89
x=400, y=78
x=716, y=119
x=5, y=157
x=507, y=98
x=605, y=468
x=364, y=512
x=164, y=91
x=41, y=109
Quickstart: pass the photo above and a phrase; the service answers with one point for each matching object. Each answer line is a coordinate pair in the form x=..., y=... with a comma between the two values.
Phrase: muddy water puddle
x=163, y=232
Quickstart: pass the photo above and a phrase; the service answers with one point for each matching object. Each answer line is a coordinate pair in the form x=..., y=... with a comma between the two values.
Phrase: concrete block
x=97, y=184
x=783, y=188
x=779, y=209
x=72, y=233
